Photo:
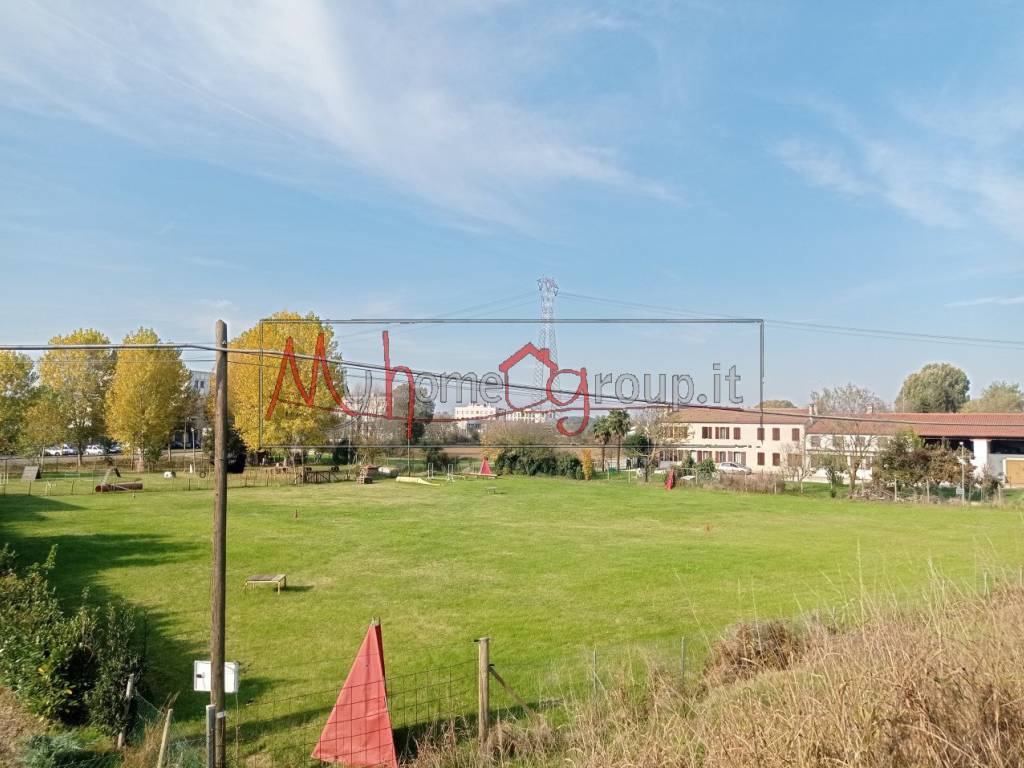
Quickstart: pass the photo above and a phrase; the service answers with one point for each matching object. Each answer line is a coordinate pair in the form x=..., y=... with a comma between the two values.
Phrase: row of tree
x=83, y=392
x=86, y=392
x=943, y=388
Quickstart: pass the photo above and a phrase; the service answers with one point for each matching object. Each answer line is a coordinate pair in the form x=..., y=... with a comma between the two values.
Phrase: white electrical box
x=201, y=680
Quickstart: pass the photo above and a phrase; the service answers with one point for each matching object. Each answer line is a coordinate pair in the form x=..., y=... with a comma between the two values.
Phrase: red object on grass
x=670, y=480
x=485, y=469
x=358, y=732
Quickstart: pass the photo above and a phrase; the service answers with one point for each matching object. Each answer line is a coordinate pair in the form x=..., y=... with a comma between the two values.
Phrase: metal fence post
x=483, y=689
x=211, y=735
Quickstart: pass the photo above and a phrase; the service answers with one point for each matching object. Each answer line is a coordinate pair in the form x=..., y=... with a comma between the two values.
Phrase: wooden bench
x=280, y=580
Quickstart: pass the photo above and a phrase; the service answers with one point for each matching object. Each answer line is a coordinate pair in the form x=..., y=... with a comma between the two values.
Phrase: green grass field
x=547, y=568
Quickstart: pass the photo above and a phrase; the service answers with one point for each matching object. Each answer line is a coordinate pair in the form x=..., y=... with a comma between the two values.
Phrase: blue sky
x=164, y=164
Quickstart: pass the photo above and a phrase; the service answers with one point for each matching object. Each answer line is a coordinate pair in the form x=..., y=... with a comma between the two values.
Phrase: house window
x=760, y=433
x=705, y=433
x=796, y=434
x=721, y=433
x=735, y=433
x=815, y=441
x=720, y=456
x=776, y=433
x=760, y=459
x=776, y=460
x=740, y=457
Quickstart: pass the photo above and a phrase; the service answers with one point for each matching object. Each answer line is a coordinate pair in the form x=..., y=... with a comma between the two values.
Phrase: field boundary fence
x=466, y=699
x=481, y=687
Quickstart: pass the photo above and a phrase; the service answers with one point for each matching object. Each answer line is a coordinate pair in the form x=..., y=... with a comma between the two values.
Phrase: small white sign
x=959, y=490
x=201, y=678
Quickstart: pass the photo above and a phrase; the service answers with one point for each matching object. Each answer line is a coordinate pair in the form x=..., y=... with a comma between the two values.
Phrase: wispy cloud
x=823, y=167
x=930, y=162
x=418, y=100
x=1002, y=301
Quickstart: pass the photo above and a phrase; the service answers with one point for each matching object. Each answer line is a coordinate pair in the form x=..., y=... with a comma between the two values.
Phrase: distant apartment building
x=476, y=415
x=200, y=382
x=473, y=416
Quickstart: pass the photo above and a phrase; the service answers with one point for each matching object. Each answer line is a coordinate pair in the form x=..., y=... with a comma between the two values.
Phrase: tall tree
x=653, y=427
x=44, y=422
x=936, y=388
x=998, y=397
x=17, y=377
x=423, y=414
x=292, y=423
x=147, y=396
x=602, y=432
x=852, y=437
x=618, y=424
x=78, y=379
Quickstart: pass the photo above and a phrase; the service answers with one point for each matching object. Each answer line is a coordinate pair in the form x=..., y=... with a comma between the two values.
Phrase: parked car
x=68, y=450
x=94, y=450
x=732, y=468
x=115, y=448
x=53, y=450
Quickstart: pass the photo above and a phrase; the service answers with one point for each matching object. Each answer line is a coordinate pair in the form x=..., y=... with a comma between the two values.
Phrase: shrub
x=118, y=655
x=518, y=460
x=45, y=656
x=588, y=464
x=436, y=456
x=69, y=667
x=751, y=648
x=757, y=482
x=51, y=750
x=705, y=469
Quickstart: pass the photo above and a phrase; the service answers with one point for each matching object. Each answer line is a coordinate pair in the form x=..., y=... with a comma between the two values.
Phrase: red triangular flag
x=485, y=468
x=358, y=732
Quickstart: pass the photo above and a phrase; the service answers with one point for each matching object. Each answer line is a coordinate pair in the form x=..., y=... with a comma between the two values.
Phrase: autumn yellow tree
x=17, y=375
x=78, y=379
x=147, y=395
x=292, y=423
x=44, y=425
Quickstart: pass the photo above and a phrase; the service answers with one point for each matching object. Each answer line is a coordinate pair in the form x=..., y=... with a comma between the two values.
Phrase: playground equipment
x=417, y=480
x=358, y=730
x=111, y=488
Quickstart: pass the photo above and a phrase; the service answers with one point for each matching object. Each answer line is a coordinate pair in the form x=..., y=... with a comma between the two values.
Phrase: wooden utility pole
x=220, y=525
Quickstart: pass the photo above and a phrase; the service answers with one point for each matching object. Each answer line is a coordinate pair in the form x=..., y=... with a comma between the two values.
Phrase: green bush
x=436, y=456
x=51, y=750
x=706, y=469
x=538, y=461
x=119, y=654
x=68, y=667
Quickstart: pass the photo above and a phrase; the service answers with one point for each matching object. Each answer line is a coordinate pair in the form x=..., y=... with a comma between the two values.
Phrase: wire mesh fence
x=443, y=701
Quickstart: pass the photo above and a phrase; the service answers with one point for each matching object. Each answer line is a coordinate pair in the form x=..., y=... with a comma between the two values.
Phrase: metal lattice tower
x=546, y=336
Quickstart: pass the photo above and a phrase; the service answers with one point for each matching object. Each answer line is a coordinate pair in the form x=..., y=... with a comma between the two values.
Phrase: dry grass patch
x=939, y=687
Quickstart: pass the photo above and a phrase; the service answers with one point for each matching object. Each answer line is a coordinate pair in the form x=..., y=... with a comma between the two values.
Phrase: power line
x=821, y=327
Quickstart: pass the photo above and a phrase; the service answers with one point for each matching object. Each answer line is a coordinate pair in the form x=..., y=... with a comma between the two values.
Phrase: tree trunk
x=604, y=467
x=618, y=454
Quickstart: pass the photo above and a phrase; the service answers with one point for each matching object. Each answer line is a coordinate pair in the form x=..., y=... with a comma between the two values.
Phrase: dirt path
x=14, y=726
